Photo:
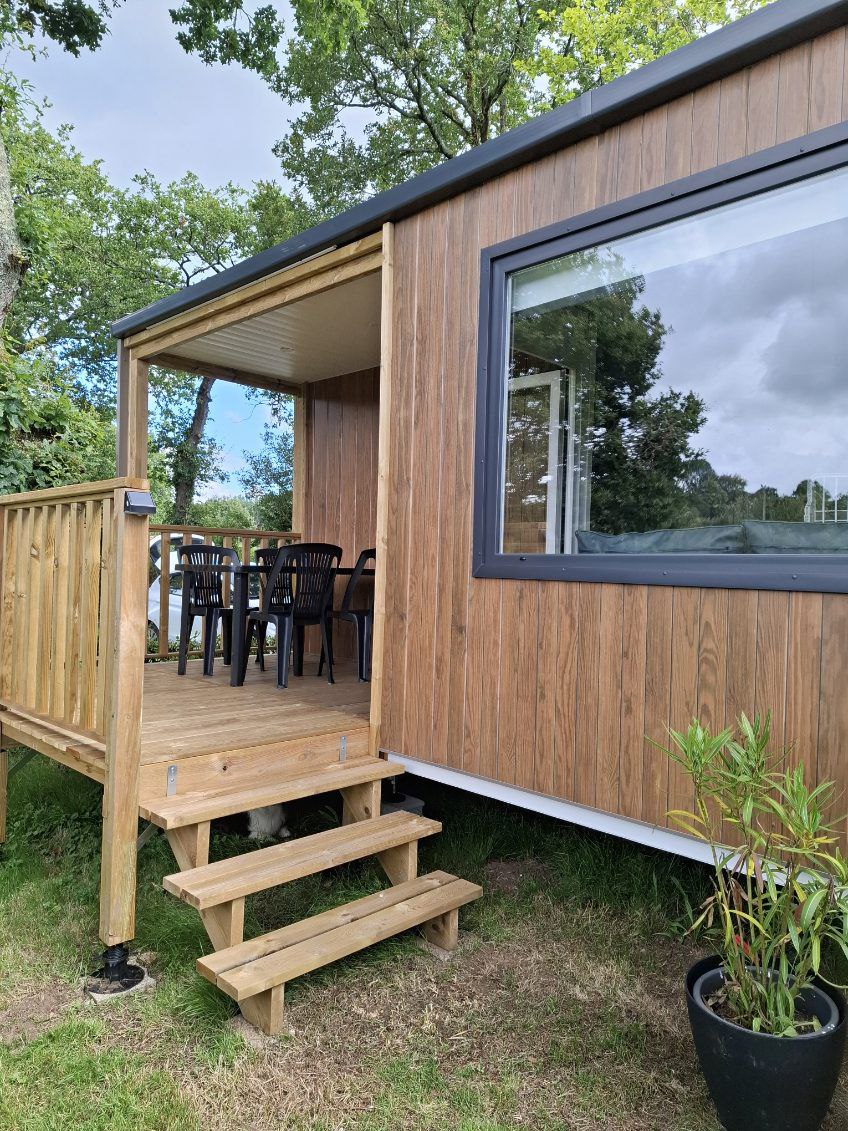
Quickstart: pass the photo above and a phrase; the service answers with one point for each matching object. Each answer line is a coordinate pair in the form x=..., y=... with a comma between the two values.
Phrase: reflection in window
x=685, y=389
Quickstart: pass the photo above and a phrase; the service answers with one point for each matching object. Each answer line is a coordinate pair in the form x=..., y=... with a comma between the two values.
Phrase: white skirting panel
x=636, y=831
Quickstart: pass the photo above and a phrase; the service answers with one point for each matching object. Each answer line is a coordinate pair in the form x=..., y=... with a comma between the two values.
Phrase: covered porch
x=80, y=681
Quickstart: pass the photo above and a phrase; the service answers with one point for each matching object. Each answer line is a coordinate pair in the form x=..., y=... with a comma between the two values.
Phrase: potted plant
x=769, y=1028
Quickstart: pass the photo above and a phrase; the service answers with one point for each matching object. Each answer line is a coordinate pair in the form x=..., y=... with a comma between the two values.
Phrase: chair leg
x=210, y=642
x=186, y=622
x=368, y=631
x=284, y=644
x=248, y=641
x=261, y=630
x=227, y=634
x=299, y=640
x=327, y=641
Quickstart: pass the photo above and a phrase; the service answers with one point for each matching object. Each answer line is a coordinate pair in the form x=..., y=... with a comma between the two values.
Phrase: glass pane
x=685, y=389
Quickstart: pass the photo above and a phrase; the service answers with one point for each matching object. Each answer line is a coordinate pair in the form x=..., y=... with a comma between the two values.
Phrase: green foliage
x=73, y=24
x=268, y=474
x=47, y=437
x=585, y=43
x=435, y=77
x=225, y=512
x=781, y=890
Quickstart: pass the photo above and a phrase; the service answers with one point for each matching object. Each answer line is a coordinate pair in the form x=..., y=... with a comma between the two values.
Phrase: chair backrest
x=302, y=578
x=205, y=586
x=364, y=558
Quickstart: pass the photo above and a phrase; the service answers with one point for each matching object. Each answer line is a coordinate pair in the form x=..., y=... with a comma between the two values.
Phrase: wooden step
x=249, y=793
x=240, y=876
x=253, y=971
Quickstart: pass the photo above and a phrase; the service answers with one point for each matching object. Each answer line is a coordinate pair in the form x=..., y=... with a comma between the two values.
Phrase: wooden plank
x=60, y=612
x=733, y=117
x=334, y=943
x=37, y=568
x=833, y=706
x=123, y=737
x=90, y=595
x=207, y=321
x=772, y=639
x=225, y=373
x=192, y=809
x=678, y=151
x=10, y=534
x=104, y=615
x=384, y=462
x=240, y=876
x=827, y=75
x=634, y=661
x=132, y=415
x=684, y=684
x=608, y=718
x=793, y=93
x=712, y=659
x=566, y=674
x=316, y=265
x=653, y=148
x=705, y=123
x=762, y=104
x=588, y=662
x=544, y=765
x=46, y=654
x=803, y=678
x=102, y=488
x=212, y=966
x=741, y=652
x=70, y=695
x=23, y=590
x=629, y=158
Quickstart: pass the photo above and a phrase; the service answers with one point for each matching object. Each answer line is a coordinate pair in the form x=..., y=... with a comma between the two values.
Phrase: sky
x=141, y=103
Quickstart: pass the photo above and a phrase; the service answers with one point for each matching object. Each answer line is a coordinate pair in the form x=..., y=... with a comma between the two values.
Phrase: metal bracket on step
x=171, y=788
x=343, y=748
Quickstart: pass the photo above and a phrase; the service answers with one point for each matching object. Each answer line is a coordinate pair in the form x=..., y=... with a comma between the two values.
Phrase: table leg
x=240, y=583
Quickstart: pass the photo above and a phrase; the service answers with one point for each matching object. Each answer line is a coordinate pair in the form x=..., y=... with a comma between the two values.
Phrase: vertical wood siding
x=340, y=462
x=554, y=686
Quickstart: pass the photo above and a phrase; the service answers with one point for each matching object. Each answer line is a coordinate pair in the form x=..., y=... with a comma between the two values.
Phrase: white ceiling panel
x=324, y=335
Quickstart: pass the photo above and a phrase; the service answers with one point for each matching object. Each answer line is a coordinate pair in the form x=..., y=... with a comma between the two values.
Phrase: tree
x=435, y=77
x=74, y=25
x=268, y=475
x=96, y=252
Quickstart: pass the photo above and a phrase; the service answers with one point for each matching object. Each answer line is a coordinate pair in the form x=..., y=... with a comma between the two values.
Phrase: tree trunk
x=186, y=463
x=13, y=260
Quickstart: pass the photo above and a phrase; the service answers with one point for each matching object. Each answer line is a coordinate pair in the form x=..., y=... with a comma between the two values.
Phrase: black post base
x=117, y=975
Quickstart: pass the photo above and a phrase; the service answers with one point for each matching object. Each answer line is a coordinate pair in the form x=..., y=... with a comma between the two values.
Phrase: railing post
x=123, y=734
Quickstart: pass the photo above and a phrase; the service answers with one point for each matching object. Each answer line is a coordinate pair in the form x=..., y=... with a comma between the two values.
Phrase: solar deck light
x=139, y=502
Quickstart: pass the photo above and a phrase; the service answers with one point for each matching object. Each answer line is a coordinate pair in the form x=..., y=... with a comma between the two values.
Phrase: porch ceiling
x=323, y=335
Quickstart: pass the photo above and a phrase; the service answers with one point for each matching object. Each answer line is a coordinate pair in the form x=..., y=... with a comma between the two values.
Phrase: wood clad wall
x=553, y=686
x=340, y=467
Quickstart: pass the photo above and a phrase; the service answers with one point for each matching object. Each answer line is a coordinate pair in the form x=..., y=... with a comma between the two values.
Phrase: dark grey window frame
x=773, y=168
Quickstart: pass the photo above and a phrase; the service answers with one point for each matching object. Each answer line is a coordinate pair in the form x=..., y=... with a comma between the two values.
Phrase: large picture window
x=669, y=402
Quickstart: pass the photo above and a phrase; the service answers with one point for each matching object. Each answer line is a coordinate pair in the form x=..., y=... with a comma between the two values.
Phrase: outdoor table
x=241, y=575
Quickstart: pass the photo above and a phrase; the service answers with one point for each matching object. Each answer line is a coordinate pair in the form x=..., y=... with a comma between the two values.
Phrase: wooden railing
x=72, y=636
x=171, y=537
x=58, y=625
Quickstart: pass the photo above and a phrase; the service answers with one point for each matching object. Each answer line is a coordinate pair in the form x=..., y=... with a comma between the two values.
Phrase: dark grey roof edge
x=781, y=24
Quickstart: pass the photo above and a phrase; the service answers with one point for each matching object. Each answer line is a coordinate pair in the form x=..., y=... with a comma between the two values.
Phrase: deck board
x=189, y=715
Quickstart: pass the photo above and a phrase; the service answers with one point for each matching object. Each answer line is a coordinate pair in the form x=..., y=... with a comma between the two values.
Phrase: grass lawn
x=561, y=1010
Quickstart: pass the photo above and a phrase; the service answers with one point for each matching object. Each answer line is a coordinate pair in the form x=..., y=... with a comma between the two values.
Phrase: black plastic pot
x=759, y=1082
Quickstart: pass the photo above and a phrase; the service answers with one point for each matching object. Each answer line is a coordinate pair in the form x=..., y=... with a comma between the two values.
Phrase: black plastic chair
x=297, y=593
x=203, y=596
x=264, y=556
x=362, y=617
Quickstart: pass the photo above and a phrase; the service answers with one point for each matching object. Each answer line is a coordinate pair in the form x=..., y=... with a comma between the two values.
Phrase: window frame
x=782, y=165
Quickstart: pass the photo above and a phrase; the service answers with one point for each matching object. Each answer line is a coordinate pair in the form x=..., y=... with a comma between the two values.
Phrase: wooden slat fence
x=243, y=541
x=57, y=621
